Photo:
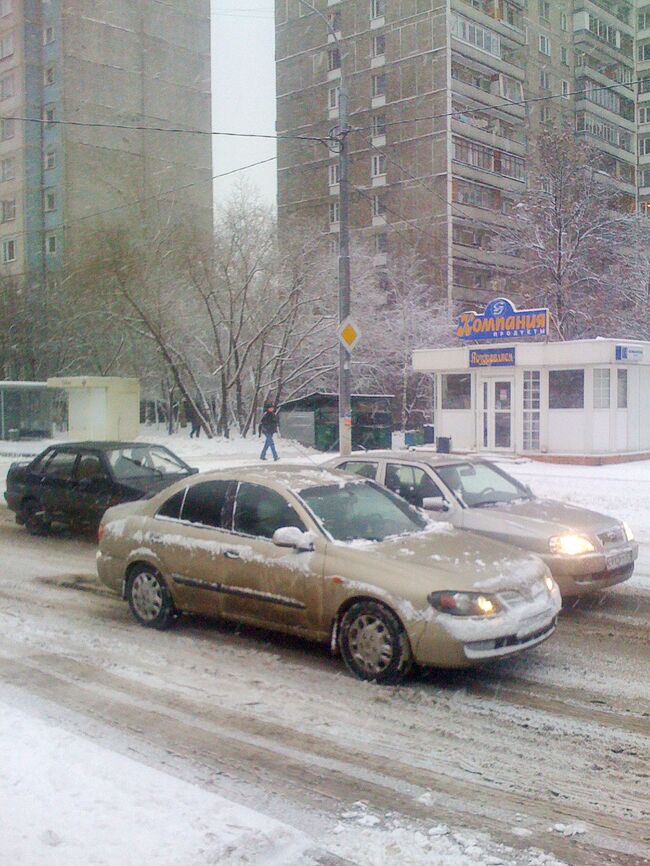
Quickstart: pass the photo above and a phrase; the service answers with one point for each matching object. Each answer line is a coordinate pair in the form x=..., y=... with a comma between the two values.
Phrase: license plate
x=533, y=624
x=619, y=560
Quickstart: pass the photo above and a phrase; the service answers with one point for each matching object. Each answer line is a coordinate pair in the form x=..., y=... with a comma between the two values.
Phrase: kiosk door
x=495, y=430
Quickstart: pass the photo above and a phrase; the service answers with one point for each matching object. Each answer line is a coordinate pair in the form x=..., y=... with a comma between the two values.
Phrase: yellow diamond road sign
x=349, y=334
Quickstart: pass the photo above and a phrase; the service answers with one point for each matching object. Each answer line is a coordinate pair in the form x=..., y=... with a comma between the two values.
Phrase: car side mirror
x=291, y=536
x=435, y=503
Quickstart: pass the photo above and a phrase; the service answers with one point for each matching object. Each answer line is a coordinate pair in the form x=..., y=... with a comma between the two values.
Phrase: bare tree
x=571, y=232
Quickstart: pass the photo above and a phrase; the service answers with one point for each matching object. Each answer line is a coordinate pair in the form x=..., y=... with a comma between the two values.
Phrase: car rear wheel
x=374, y=644
x=149, y=599
x=34, y=518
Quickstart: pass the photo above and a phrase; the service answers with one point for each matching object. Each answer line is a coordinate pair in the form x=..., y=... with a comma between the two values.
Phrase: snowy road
x=549, y=752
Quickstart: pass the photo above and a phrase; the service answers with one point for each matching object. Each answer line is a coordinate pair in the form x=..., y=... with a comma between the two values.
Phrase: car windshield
x=482, y=484
x=361, y=510
x=144, y=461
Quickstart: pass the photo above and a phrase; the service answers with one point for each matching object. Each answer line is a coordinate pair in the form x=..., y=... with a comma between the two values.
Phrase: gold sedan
x=330, y=557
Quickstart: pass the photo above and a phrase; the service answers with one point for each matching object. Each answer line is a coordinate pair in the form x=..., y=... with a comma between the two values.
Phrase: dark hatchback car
x=74, y=483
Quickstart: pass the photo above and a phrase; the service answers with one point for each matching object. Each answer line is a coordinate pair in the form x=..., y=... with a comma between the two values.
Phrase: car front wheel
x=149, y=599
x=34, y=518
x=374, y=644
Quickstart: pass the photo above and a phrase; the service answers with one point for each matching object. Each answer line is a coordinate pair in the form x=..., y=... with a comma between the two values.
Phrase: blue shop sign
x=501, y=319
x=492, y=357
x=629, y=354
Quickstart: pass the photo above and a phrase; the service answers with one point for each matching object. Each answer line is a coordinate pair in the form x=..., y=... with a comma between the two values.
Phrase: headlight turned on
x=629, y=535
x=570, y=545
x=550, y=583
x=464, y=603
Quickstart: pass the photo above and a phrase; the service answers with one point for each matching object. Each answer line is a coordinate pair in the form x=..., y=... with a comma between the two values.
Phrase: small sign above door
x=497, y=357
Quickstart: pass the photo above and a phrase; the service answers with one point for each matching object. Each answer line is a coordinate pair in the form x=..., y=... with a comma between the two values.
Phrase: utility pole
x=345, y=410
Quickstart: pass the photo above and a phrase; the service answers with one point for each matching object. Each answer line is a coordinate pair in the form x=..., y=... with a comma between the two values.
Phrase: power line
x=506, y=104
x=97, y=125
x=137, y=201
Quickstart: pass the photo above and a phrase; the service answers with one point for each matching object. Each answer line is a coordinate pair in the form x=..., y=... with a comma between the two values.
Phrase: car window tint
x=260, y=511
x=61, y=465
x=172, y=508
x=205, y=503
x=89, y=466
x=424, y=484
x=360, y=467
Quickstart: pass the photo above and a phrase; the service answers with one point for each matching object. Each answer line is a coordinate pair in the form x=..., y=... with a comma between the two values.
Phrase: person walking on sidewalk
x=269, y=427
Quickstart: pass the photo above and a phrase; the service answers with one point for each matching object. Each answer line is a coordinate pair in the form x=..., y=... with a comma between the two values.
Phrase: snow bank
x=69, y=802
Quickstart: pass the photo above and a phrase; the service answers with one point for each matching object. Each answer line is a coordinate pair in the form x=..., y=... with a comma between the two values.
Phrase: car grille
x=612, y=536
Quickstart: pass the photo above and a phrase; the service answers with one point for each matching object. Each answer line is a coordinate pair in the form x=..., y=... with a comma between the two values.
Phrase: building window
x=378, y=207
x=476, y=195
x=5, y=8
x=48, y=35
x=644, y=146
x=334, y=173
x=8, y=250
x=564, y=56
x=488, y=158
x=565, y=89
x=381, y=243
x=544, y=44
x=644, y=51
x=456, y=391
x=49, y=159
x=49, y=200
x=601, y=389
x=377, y=8
x=8, y=210
x=333, y=59
x=7, y=86
x=545, y=10
x=378, y=45
x=50, y=245
x=6, y=46
x=544, y=79
x=566, y=389
x=379, y=85
x=644, y=20
x=334, y=19
x=563, y=21
x=378, y=165
x=544, y=113
x=7, y=128
x=48, y=76
x=335, y=213
x=334, y=97
x=49, y=115
x=378, y=125
x=644, y=114
x=8, y=168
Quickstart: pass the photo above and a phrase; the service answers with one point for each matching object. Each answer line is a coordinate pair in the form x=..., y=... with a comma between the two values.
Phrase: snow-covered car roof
x=423, y=456
x=294, y=476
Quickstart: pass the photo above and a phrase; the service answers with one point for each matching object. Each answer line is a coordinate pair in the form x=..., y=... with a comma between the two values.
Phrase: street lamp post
x=345, y=411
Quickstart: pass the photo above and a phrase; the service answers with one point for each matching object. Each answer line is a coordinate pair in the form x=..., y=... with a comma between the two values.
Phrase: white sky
x=243, y=91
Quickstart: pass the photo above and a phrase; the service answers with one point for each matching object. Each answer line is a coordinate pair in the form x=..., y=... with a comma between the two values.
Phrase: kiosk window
x=456, y=391
x=601, y=389
x=566, y=389
x=621, y=392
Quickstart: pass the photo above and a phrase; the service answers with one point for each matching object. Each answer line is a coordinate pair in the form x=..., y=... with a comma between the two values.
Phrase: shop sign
x=629, y=354
x=492, y=357
x=501, y=319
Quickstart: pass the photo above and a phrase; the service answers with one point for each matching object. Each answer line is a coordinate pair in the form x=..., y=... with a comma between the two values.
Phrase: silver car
x=584, y=550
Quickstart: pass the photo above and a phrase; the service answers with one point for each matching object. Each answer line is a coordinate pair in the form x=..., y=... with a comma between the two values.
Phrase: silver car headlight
x=629, y=535
x=464, y=603
x=570, y=545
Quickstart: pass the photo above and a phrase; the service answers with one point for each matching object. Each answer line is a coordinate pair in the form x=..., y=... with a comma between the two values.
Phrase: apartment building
x=446, y=97
x=82, y=75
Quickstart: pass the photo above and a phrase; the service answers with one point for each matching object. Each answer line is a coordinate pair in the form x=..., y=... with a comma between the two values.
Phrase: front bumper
x=459, y=642
x=578, y=575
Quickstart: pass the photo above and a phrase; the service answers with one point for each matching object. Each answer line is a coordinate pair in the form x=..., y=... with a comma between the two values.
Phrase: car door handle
x=231, y=554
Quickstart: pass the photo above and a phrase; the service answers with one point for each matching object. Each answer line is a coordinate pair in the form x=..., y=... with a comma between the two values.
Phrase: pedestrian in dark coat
x=194, y=420
x=269, y=427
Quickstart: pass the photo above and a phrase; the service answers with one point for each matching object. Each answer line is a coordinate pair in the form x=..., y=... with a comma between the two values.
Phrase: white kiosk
x=578, y=401
x=101, y=407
